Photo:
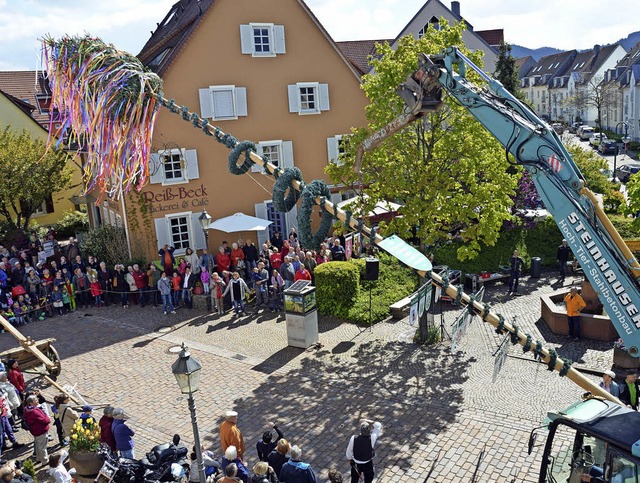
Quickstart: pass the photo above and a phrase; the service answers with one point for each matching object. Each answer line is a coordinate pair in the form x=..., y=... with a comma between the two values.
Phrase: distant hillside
x=518, y=51
x=630, y=40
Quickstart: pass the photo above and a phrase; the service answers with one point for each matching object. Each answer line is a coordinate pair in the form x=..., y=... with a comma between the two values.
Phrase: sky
x=564, y=24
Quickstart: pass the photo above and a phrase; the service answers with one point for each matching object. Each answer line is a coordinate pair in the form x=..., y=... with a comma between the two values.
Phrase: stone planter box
x=622, y=359
x=592, y=326
x=85, y=463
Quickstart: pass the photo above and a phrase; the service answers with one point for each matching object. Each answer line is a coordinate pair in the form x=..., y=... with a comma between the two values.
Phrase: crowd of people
x=280, y=461
x=34, y=285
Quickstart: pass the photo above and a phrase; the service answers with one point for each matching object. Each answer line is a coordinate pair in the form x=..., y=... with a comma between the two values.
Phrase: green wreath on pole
x=309, y=194
x=284, y=182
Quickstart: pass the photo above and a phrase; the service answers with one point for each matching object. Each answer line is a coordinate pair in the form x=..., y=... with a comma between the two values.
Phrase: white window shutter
x=278, y=34
x=206, y=103
x=241, y=101
x=191, y=159
x=287, y=154
x=198, y=242
x=294, y=98
x=246, y=39
x=323, y=90
x=162, y=232
x=224, y=103
x=156, y=169
x=256, y=168
x=332, y=149
x=263, y=236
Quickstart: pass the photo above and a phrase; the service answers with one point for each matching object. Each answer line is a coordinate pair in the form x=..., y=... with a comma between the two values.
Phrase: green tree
x=448, y=173
x=591, y=165
x=31, y=174
x=506, y=70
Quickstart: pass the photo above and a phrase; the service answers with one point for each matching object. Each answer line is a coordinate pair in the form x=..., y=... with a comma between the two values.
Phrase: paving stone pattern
x=443, y=418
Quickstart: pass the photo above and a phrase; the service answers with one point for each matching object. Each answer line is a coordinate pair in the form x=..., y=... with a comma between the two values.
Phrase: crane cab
x=595, y=438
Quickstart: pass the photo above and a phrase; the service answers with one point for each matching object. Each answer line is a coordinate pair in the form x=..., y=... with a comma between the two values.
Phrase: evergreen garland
x=309, y=194
x=283, y=183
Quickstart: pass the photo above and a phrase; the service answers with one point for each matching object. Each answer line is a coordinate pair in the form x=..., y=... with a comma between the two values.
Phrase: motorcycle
x=165, y=462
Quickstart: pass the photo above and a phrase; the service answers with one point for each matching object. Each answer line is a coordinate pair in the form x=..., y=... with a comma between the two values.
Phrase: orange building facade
x=264, y=71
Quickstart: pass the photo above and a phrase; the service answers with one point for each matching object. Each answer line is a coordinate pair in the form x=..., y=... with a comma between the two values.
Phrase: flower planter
x=86, y=463
x=197, y=290
x=621, y=358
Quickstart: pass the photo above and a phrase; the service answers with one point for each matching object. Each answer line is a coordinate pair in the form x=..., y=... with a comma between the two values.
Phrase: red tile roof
x=493, y=37
x=358, y=52
x=24, y=85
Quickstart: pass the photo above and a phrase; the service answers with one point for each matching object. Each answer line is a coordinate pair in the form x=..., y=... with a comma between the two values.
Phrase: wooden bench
x=400, y=309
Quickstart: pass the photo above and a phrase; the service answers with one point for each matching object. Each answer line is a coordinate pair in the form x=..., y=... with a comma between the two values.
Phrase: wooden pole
x=27, y=343
x=61, y=389
x=573, y=374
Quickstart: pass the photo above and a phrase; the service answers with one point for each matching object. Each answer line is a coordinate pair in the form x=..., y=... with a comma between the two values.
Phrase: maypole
x=109, y=100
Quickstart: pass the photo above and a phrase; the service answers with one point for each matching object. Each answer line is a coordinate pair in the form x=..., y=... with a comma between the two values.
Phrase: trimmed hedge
x=541, y=241
x=340, y=295
x=338, y=284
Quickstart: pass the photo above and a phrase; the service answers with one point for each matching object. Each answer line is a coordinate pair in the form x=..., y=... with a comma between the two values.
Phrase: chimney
x=455, y=8
x=596, y=50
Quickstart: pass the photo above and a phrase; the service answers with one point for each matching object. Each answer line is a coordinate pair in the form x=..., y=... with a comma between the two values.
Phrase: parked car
x=574, y=127
x=557, y=127
x=597, y=138
x=585, y=132
x=624, y=172
x=608, y=146
x=579, y=128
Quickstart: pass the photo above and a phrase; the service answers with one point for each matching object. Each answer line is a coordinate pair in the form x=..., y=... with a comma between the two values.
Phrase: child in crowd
x=96, y=291
x=19, y=314
x=175, y=284
x=205, y=277
x=86, y=414
x=9, y=315
x=57, y=298
x=66, y=300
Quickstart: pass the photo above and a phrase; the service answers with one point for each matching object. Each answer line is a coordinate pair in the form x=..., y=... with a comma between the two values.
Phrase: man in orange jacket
x=230, y=435
x=575, y=304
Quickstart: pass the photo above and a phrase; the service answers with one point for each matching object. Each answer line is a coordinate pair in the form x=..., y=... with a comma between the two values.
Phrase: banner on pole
x=413, y=313
x=500, y=359
x=422, y=297
x=457, y=331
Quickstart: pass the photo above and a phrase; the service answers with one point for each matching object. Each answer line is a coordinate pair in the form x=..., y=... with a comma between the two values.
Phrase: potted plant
x=198, y=290
x=83, y=447
x=622, y=358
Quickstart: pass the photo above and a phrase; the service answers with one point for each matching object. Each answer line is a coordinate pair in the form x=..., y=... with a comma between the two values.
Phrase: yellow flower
x=74, y=436
x=89, y=420
x=91, y=438
x=87, y=432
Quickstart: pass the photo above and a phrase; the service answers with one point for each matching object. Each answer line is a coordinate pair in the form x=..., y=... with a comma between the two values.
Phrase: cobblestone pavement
x=443, y=418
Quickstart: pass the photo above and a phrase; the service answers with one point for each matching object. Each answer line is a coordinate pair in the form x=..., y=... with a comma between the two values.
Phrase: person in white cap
x=230, y=435
x=608, y=383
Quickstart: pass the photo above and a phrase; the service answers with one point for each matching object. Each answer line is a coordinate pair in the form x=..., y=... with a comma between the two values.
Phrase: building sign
x=174, y=198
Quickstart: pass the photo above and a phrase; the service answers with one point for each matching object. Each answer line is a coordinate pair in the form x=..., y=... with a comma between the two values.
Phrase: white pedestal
x=302, y=330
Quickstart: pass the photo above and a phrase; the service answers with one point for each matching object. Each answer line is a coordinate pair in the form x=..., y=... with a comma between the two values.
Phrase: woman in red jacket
x=15, y=376
x=224, y=260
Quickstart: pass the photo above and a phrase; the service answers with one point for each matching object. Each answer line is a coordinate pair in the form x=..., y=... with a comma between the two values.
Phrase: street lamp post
x=625, y=141
x=187, y=372
x=205, y=220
